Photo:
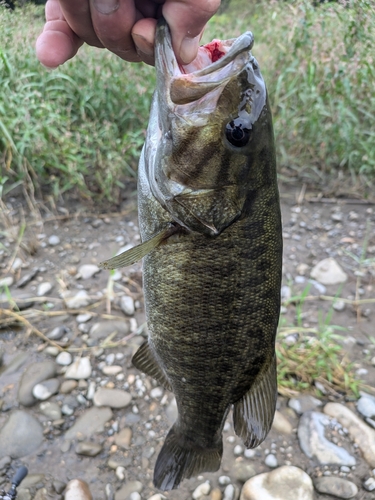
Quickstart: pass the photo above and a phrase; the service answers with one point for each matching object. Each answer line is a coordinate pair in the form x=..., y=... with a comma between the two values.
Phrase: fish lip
x=166, y=62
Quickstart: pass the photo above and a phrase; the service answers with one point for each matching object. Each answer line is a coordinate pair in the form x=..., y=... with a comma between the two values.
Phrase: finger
x=113, y=21
x=143, y=34
x=187, y=19
x=78, y=16
x=57, y=43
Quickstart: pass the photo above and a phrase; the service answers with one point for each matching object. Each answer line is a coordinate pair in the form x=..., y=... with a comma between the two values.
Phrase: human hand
x=125, y=27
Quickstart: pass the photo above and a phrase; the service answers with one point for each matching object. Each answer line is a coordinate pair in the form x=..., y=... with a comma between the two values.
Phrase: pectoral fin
x=136, y=253
x=145, y=361
x=253, y=414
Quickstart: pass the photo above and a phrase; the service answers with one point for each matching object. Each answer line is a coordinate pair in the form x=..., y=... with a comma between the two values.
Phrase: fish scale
x=210, y=226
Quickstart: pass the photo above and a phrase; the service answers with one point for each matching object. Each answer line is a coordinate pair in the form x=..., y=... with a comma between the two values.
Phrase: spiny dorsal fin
x=145, y=361
x=136, y=253
x=253, y=414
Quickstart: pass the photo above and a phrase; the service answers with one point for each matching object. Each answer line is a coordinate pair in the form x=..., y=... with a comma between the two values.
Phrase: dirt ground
x=314, y=228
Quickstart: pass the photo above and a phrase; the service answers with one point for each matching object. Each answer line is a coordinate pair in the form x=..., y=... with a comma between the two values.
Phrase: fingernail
x=106, y=6
x=189, y=48
x=142, y=45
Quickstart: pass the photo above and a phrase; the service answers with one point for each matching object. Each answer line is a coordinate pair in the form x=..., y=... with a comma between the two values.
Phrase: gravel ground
x=72, y=406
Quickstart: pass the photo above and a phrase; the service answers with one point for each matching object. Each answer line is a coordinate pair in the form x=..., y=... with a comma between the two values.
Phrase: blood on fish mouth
x=213, y=48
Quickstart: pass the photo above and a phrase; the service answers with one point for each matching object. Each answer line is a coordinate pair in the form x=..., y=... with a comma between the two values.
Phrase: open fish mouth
x=216, y=63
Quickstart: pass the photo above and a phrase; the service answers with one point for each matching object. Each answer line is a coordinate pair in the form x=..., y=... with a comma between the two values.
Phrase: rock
x=338, y=305
x=216, y=494
x=171, y=411
x=53, y=240
x=6, y=282
x=230, y=493
x=23, y=494
x=64, y=358
x=285, y=483
x=360, y=432
x=58, y=486
x=242, y=471
x=157, y=496
x=281, y=423
x=315, y=445
x=91, y=421
x=80, y=369
x=103, y=329
x=328, y=272
x=124, y=437
x=46, y=389
x=304, y=403
x=156, y=392
x=16, y=362
x=128, y=488
x=335, y=486
x=50, y=410
x=201, y=490
x=34, y=373
x=114, y=398
x=21, y=435
x=84, y=317
x=43, y=289
x=76, y=300
x=366, y=405
x=57, y=333
x=112, y=370
x=27, y=278
x=369, y=484
x=77, y=490
x=127, y=305
x=271, y=461
x=88, y=449
x=68, y=386
x=87, y=271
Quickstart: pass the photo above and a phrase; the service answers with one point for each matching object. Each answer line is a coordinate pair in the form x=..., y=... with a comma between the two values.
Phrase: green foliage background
x=82, y=126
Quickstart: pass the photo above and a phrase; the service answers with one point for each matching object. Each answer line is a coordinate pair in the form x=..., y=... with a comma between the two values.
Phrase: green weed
x=315, y=355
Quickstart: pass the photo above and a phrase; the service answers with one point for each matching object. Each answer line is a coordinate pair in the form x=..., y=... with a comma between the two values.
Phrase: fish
x=210, y=224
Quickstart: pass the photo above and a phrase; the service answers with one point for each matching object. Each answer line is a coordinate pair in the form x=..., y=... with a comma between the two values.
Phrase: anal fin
x=253, y=414
x=145, y=361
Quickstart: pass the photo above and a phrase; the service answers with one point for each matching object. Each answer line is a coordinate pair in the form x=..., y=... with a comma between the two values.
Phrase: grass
x=315, y=357
x=81, y=127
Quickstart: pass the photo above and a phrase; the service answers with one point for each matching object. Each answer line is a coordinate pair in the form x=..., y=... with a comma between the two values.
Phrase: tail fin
x=180, y=458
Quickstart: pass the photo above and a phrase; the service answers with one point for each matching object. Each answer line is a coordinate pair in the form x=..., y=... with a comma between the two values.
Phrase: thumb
x=186, y=20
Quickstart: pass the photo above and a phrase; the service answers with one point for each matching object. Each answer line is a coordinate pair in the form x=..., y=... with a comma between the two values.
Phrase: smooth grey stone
x=7, y=281
x=46, y=389
x=304, y=403
x=23, y=494
x=44, y=288
x=328, y=272
x=53, y=240
x=16, y=362
x=242, y=471
x=27, y=278
x=50, y=410
x=104, y=328
x=271, y=461
x=87, y=271
x=21, y=435
x=369, y=484
x=57, y=333
x=366, y=406
x=58, y=486
x=88, y=449
x=35, y=373
x=64, y=358
x=336, y=486
x=32, y=480
x=91, y=421
x=114, y=398
x=127, y=305
x=284, y=483
x=128, y=488
x=315, y=445
x=79, y=369
x=76, y=299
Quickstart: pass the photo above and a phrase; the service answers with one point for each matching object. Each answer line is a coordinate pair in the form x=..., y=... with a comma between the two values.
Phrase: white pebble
x=127, y=305
x=8, y=281
x=44, y=288
x=249, y=453
x=271, y=461
x=120, y=473
x=64, y=358
x=83, y=318
x=156, y=393
x=224, y=480
x=135, y=496
x=238, y=450
x=53, y=240
x=201, y=490
x=229, y=492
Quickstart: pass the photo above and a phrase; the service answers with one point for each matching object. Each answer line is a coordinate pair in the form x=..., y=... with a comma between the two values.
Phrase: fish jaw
x=190, y=162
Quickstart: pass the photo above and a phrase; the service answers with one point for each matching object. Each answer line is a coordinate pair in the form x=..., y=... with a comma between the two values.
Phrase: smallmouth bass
x=212, y=246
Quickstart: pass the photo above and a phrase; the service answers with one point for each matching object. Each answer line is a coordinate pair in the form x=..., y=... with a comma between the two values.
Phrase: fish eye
x=237, y=133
